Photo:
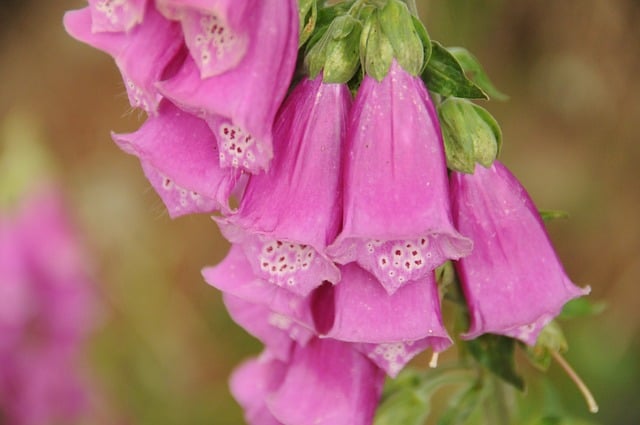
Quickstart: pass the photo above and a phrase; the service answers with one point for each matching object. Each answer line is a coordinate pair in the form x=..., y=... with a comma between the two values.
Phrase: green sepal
x=308, y=15
x=336, y=53
x=444, y=75
x=581, y=307
x=548, y=215
x=496, y=353
x=470, y=135
x=551, y=339
x=425, y=39
x=376, y=51
x=398, y=25
x=474, y=71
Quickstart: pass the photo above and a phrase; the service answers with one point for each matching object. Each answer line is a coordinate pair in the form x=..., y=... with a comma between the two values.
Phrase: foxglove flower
x=213, y=31
x=289, y=214
x=397, y=221
x=144, y=53
x=390, y=329
x=234, y=276
x=179, y=156
x=241, y=103
x=46, y=312
x=513, y=281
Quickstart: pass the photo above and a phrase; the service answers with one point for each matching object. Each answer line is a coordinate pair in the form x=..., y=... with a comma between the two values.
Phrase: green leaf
x=551, y=339
x=474, y=71
x=581, y=307
x=496, y=353
x=548, y=215
x=397, y=24
x=461, y=406
x=445, y=76
x=307, y=7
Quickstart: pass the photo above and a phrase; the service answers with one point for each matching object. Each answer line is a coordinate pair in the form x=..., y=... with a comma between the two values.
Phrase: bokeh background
x=165, y=346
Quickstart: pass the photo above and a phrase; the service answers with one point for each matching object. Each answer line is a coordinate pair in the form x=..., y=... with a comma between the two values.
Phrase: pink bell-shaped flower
x=241, y=103
x=390, y=329
x=143, y=54
x=179, y=156
x=289, y=214
x=513, y=281
x=397, y=221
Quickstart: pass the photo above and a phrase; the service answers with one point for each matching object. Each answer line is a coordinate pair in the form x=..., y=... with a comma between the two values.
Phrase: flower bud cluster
x=345, y=205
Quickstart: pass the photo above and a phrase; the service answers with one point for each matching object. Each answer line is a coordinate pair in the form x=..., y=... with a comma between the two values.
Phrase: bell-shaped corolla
x=179, y=156
x=397, y=220
x=389, y=329
x=513, y=282
x=240, y=104
x=144, y=53
x=289, y=214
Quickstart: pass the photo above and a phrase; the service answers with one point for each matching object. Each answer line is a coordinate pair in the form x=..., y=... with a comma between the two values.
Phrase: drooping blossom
x=397, y=221
x=326, y=382
x=241, y=103
x=259, y=305
x=179, y=156
x=46, y=313
x=289, y=214
x=513, y=281
x=389, y=329
x=144, y=53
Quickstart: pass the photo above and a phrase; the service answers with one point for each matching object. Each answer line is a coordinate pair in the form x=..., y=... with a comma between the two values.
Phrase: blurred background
x=165, y=346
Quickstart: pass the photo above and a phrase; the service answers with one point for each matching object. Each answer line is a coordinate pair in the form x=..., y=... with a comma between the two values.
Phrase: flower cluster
x=46, y=304
x=345, y=205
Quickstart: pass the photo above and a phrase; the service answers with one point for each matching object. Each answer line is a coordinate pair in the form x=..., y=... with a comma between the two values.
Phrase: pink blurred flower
x=397, y=222
x=46, y=312
x=513, y=281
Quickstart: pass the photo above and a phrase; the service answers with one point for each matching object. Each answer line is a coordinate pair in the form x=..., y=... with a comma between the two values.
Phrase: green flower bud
x=470, y=135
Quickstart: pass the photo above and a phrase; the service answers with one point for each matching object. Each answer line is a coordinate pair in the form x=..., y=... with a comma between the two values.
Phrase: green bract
x=470, y=135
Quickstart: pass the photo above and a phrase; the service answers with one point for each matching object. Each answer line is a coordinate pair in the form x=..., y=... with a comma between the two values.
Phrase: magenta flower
x=513, y=281
x=213, y=31
x=144, y=53
x=46, y=312
x=390, y=329
x=241, y=103
x=179, y=156
x=326, y=382
x=397, y=222
x=290, y=214
x=116, y=15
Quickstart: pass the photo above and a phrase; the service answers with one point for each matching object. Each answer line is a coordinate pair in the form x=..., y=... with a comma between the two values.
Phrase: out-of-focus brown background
x=166, y=347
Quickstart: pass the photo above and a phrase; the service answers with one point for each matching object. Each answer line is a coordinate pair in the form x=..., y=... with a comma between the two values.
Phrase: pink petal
x=289, y=214
x=142, y=54
x=116, y=15
x=328, y=383
x=397, y=222
x=179, y=156
x=513, y=281
x=240, y=104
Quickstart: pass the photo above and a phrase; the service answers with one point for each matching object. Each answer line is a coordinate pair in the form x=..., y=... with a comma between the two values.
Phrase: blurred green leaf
x=444, y=75
x=548, y=215
x=581, y=307
x=474, y=71
x=551, y=339
x=496, y=353
x=461, y=406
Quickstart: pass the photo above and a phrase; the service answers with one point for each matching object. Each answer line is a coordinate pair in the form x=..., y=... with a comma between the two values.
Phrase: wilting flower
x=326, y=382
x=389, y=329
x=46, y=304
x=143, y=52
x=513, y=281
x=179, y=156
x=241, y=103
x=289, y=214
x=397, y=222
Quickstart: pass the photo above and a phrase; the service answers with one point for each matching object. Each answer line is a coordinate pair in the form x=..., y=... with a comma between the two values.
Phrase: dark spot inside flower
x=323, y=307
x=281, y=259
x=398, y=252
x=407, y=265
x=414, y=253
x=417, y=262
x=269, y=249
x=279, y=244
x=265, y=264
x=303, y=246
